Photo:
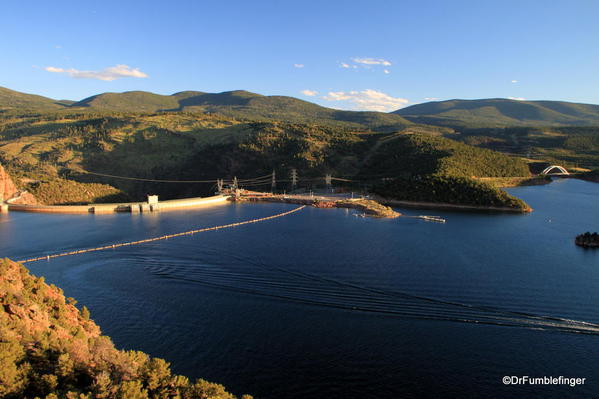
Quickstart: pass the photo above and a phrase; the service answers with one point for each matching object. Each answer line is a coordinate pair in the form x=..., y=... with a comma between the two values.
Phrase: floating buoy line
x=166, y=237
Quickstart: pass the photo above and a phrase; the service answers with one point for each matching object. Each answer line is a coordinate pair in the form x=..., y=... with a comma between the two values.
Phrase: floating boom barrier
x=166, y=237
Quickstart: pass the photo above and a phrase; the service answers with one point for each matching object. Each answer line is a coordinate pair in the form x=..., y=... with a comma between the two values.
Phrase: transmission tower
x=219, y=184
x=235, y=185
x=273, y=185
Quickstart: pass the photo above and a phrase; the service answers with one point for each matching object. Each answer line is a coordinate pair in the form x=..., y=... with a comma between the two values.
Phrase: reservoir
x=324, y=304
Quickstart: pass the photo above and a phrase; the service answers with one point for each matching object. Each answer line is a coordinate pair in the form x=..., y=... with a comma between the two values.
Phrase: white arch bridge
x=560, y=170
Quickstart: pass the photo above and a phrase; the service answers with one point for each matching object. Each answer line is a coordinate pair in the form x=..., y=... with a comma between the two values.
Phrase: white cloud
x=298, y=65
x=514, y=81
x=431, y=98
x=107, y=74
x=386, y=71
x=344, y=65
x=309, y=92
x=371, y=61
x=369, y=99
x=517, y=98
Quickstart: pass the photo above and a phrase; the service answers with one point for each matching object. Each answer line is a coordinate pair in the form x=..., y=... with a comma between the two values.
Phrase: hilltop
x=51, y=349
x=11, y=100
x=501, y=112
x=237, y=104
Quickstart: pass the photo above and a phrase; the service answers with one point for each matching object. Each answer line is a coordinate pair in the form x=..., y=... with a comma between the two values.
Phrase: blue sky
x=367, y=55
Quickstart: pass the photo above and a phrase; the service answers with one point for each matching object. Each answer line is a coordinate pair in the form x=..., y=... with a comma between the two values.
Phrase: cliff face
x=7, y=187
x=50, y=349
x=8, y=190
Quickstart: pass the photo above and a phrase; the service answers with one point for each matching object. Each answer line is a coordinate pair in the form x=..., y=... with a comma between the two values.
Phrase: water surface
x=325, y=304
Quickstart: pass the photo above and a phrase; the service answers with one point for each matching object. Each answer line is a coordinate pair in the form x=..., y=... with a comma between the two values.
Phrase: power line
x=171, y=181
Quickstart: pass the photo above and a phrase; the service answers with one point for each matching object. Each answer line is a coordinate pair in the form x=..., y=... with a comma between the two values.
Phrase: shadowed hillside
x=186, y=146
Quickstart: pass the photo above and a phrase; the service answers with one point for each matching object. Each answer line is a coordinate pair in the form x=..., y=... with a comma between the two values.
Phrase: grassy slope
x=50, y=349
x=11, y=100
x=501, y=112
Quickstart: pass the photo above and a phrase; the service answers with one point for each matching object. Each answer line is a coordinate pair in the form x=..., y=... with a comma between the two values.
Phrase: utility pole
x=274, y=182
x=293, y=179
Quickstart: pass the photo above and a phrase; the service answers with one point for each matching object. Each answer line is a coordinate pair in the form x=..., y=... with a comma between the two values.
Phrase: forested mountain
x=501, y=112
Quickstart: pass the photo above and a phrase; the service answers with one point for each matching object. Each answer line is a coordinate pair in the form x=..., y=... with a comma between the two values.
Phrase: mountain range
x=501, y=112
x=237, y=104
x=497, y=112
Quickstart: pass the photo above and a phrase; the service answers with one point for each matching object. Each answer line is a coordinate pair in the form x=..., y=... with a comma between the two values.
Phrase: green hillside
x=449, y=190
x=569, y=146
x=241, y=104
x=417, y=154
x=41, y=152
x=500, y=112
x=130, y=101
x=51, y=349
x=11, y=100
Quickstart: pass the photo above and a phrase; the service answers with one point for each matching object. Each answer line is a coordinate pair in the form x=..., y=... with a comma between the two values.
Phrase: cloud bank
x=369, y=100
x=106, y=74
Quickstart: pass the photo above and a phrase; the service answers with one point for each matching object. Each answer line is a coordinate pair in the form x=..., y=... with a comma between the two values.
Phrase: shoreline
x=449, y=207
x=370, y=207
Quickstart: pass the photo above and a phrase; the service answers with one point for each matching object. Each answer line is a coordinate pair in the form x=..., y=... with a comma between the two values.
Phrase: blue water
x=328, y=305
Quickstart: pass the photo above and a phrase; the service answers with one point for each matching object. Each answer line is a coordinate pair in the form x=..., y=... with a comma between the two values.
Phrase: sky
x=358, y=55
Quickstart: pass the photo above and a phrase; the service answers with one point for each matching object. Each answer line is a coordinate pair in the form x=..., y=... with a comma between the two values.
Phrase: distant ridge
x=242, y=104
x=14, y=100
x=501, y=112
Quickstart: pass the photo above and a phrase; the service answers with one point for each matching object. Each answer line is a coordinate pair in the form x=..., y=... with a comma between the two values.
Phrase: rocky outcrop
x=9, y=191
x=7, y=187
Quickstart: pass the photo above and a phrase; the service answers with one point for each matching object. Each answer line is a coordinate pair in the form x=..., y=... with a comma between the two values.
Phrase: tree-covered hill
x=241, y=104
x=42, y=152
x=449, y=190
x=51, y=349
x=501, y=112
x=419, y=154
x=130, y=101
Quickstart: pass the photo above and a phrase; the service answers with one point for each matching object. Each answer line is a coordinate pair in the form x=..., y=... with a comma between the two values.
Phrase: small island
x=588, y=240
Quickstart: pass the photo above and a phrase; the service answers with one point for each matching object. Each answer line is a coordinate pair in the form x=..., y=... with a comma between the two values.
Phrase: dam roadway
x=152, y=205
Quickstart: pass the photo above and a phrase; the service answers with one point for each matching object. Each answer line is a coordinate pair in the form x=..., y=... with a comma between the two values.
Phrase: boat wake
x=249, y=276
